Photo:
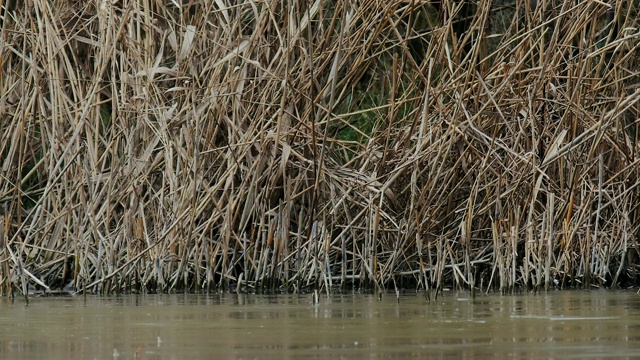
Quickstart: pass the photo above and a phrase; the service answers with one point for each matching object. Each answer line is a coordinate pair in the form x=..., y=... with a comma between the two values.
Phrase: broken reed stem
x=269, y=146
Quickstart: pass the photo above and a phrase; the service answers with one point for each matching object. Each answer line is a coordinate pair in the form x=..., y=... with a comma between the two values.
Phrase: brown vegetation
x=271, y=144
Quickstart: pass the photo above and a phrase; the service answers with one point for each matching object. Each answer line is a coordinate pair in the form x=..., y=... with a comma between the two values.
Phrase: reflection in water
x=565, y=324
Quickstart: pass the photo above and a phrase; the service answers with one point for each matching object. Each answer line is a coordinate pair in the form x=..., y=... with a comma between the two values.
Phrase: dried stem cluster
x=272, y=144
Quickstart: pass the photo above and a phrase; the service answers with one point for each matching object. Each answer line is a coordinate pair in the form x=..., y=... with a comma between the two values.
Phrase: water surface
x=561, y=325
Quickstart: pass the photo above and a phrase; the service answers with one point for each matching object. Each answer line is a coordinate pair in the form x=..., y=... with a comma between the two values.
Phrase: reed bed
x=272, y=145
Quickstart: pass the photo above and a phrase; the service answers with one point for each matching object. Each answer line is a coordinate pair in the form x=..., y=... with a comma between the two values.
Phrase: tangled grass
x=265, y=145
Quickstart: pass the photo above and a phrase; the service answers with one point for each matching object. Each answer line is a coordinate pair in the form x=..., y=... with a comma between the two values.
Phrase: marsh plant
x=276, y=145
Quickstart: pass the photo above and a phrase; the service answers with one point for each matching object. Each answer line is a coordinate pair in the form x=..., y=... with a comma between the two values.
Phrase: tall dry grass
x=271, y=144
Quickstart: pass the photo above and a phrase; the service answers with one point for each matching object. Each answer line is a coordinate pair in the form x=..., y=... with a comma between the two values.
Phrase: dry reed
x=269, y=145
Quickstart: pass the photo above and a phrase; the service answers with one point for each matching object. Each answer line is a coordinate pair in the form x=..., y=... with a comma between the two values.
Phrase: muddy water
x=566, y=324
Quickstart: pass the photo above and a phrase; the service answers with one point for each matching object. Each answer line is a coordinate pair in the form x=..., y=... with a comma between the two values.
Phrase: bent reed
x=273, y=145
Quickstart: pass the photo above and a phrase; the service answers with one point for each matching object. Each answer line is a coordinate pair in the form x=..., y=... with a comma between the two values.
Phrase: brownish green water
x=561, y=325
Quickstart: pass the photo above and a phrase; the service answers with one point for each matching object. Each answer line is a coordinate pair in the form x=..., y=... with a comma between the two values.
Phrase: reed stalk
x=275, y=145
